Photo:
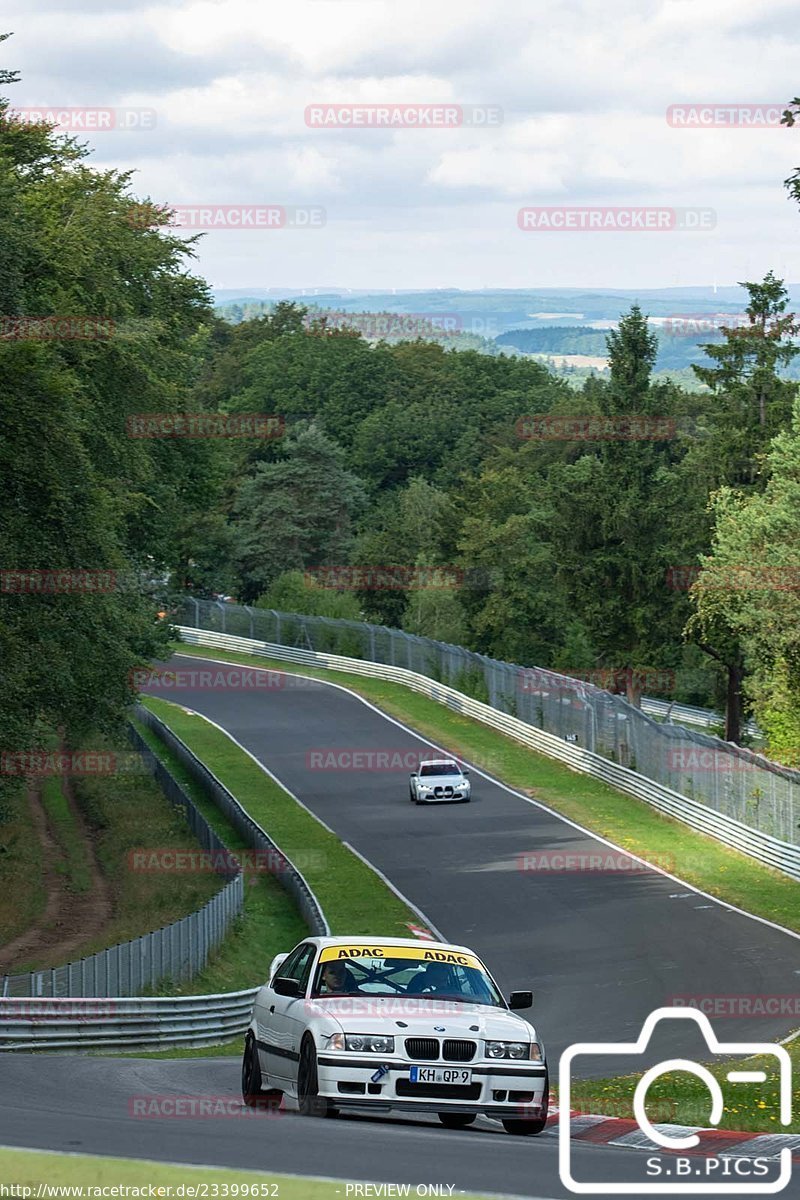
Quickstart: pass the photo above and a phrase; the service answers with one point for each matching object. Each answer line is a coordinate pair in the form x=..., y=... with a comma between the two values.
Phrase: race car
x=438, y=780
x=394, y=1024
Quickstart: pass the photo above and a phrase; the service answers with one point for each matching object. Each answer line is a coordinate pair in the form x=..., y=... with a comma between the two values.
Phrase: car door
x=266, y=1024
x=287, y=1016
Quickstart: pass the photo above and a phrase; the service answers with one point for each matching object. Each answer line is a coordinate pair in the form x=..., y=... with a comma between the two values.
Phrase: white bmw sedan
x=439, y=781
x=394, y=1024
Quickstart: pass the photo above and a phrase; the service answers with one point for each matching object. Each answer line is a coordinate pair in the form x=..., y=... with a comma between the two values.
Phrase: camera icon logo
x=678, y=1138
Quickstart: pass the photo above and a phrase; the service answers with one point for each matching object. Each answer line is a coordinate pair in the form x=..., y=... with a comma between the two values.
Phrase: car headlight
x=512, y=1050
x=369, y=1043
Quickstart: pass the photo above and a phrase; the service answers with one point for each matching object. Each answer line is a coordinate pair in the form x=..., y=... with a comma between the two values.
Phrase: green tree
x=296, y=512
x=749, y=587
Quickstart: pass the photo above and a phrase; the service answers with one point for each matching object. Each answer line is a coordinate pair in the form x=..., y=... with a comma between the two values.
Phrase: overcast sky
x=583, y=87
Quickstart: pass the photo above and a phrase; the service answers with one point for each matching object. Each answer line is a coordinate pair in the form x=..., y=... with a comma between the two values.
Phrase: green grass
x=269, y=922
x=354, y=899
x=684, y=1100
x=22, y=892
x=630, y=823
x=29, y=1168
x=75, y=863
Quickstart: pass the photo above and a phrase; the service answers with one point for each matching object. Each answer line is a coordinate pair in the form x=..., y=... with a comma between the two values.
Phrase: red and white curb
x=718, y=1143
x=419, y=931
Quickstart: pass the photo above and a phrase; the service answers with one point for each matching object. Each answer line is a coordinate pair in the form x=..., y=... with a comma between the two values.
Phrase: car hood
x=407, y=1017
x=439, y=780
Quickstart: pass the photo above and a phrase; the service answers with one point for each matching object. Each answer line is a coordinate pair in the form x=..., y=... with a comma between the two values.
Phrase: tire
x=528, y=1128
x=455, y=1120
x=309, y=1101
x=252, y=1093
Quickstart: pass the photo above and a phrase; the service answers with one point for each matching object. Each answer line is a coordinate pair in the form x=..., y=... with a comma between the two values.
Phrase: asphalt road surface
x=87, y=1105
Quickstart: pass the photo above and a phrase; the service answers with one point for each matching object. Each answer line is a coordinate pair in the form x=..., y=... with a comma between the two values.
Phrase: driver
x=336, y=979
x=437, y=978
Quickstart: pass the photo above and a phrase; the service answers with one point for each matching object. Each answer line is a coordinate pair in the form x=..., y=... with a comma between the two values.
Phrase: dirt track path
x=69, y=920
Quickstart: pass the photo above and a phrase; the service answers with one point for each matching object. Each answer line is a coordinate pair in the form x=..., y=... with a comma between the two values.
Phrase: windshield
x=405, y=973
x=449, y=768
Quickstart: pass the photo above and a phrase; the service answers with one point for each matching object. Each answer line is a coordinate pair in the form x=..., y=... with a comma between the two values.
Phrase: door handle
x=272, y=1008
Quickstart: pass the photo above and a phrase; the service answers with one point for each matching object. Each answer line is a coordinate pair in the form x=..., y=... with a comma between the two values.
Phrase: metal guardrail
x=136, y=1022
x=177, y=952
x=782, y=855
x=688, y=714
x=256, y=838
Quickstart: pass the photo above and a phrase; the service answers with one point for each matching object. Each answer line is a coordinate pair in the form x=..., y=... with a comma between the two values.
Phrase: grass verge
x=75, y=864
x=29, y=1168
x=630, y=823
x=22, y=891
x=683, y=1099
x=269, y=922
x=354, y=899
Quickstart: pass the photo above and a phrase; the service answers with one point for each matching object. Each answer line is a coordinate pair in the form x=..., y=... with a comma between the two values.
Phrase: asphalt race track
x=600, y=949
x=83, y=1105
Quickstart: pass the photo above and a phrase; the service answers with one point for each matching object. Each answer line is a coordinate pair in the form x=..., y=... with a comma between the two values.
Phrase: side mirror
x=276, y=962
x=520, y=1000
x=413, y=774
x=286, y=987
x=465, y=770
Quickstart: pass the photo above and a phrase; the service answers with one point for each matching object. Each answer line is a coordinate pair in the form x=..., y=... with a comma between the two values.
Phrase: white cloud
x=584, y=89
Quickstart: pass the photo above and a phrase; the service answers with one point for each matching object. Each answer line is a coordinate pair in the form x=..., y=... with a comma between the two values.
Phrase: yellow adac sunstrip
x=423, y=953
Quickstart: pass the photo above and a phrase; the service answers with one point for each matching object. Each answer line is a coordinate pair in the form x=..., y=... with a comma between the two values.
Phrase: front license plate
x=456, y=1075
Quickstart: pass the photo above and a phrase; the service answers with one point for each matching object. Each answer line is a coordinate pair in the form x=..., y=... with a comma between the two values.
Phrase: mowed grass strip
x=268, y=925
x=29, y=1169
x=74, y=865
x=354, y=898
x=22, y=889
x=679, y=1098
x=624, y=820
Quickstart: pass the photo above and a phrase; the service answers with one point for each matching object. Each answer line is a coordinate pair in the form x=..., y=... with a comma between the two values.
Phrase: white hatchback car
x=437, y=781
x=396, y=1024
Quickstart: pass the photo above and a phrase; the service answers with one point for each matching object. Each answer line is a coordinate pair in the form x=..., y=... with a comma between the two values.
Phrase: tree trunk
x=733, y=704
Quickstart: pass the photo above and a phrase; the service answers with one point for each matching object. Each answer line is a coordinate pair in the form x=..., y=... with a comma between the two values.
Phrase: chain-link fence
x=730, y=779
x=177, y=952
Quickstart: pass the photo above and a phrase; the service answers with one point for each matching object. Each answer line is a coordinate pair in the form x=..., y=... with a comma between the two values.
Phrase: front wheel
x=309, y=1101
x=456, y=1120
x=252, y=1082
x=526, y=1128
